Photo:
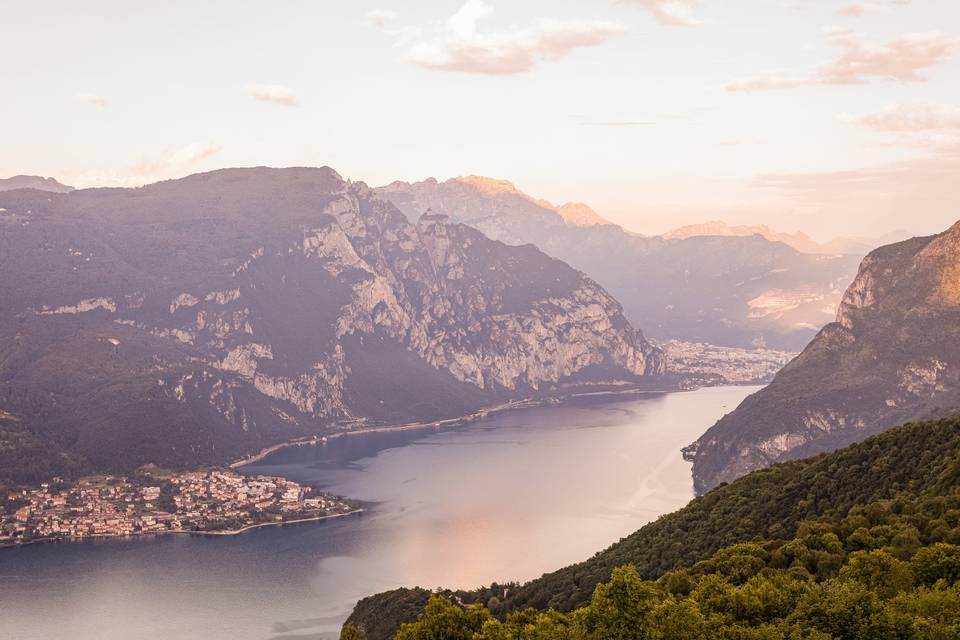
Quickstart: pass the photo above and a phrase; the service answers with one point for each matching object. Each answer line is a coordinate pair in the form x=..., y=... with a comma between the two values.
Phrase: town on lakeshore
x=152, y=501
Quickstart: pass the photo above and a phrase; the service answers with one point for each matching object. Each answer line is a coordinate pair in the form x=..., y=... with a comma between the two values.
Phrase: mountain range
x=194, y=320
x=892, y=355
x=800, y=241
x=732, y=290
x=33, y=182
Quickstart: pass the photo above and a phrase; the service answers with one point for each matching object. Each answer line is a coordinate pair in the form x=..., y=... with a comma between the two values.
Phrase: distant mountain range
x=892, y=355
x=733, y=290
x=194, y=320
x=33, y=182
x=799, y=240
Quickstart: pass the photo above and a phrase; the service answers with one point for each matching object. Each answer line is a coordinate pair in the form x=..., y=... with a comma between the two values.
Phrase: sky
x=834, y=118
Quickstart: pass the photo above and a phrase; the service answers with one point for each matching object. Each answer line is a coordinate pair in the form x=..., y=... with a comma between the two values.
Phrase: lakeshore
x=446, y=423
x=215, y=502
x=234, y=532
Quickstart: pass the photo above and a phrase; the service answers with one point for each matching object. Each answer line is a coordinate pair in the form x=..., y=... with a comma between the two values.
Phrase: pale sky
x=827, y=117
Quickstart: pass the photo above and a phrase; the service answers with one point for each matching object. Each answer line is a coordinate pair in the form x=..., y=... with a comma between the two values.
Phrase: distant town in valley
x=152, y=502
x=701, y=364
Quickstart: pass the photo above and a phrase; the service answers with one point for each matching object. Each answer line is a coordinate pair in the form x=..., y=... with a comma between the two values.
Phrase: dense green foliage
x=912, y=461
x=889, y=569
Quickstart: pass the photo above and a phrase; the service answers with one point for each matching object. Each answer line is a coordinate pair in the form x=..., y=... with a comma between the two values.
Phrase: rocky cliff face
x=892, y=355
x=740, y=291
x=195, y=319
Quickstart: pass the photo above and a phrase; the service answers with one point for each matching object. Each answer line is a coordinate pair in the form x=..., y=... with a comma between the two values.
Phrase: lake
x=505, y=498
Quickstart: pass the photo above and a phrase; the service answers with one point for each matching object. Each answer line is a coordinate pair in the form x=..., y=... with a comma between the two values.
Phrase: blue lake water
x=506, y=498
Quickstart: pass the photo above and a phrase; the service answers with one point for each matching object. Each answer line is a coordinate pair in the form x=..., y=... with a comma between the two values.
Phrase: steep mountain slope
x=736, y=291
x=892, y=355
x=192, y=320
x=33, y=182
x=912, y=461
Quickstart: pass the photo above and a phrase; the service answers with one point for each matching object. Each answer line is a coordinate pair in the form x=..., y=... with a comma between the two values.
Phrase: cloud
x=899, y=59
x=173, y=164
x=922, y=188
x=274, y=93
x=460, y=47
x=860, y=9
x=853, y=10
x=676, y=13
x=92, y=98
x=919, y=116
x=381, y=17
x=193, y=153
x=616, y=123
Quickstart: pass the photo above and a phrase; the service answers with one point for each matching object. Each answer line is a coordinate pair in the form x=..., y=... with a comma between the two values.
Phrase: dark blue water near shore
x=508, y=497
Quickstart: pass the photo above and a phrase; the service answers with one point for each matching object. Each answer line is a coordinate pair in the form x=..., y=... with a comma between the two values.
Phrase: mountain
x=194, y=320
x=892, y=355
x=580, y=214
x=733, y=291
x=862, y=246
x=911, y=471
x=33, y=182
x=800, y=241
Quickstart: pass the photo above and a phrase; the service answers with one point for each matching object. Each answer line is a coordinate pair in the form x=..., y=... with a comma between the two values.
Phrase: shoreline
x=132, y=536
x=480, y=414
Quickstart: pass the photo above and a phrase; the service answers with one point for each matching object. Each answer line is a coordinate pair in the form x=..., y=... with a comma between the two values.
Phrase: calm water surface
x=507, y=498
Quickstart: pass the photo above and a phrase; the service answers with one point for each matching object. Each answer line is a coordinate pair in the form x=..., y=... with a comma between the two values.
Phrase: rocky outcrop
x=251, y=306
x=892, y=355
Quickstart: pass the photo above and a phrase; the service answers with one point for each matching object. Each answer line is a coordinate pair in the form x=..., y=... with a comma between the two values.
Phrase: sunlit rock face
x=251, y=306
x=892, y=355
x=701, y=286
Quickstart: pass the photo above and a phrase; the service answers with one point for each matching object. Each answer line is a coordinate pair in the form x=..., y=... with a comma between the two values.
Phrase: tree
x=350, y=632
x=619, y=608
x=444, y=620
x=939, y=561
x=878, y=571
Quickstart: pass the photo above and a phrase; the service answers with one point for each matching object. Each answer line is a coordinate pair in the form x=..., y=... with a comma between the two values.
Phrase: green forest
x=861, y=543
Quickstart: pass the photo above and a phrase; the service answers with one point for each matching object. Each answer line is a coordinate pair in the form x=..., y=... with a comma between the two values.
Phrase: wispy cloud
x=611, y=122
x=381, y=17
x=899, y=59
x=676, y=13
x=274, y=93
x=173, y=164
x=460, y=47
x=860, y=9
x=93, y=99
x=615, y=123
x=853, y=10
x=918, y=116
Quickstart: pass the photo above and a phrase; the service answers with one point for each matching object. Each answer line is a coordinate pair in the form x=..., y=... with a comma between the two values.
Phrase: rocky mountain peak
x=488, y=185
x=580, y=214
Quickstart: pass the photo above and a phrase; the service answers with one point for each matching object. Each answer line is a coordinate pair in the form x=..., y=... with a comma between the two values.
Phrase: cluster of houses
x=199, y=501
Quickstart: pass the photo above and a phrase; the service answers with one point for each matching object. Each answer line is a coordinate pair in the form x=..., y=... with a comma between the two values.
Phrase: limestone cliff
x=892, y=355
x=195, y=319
